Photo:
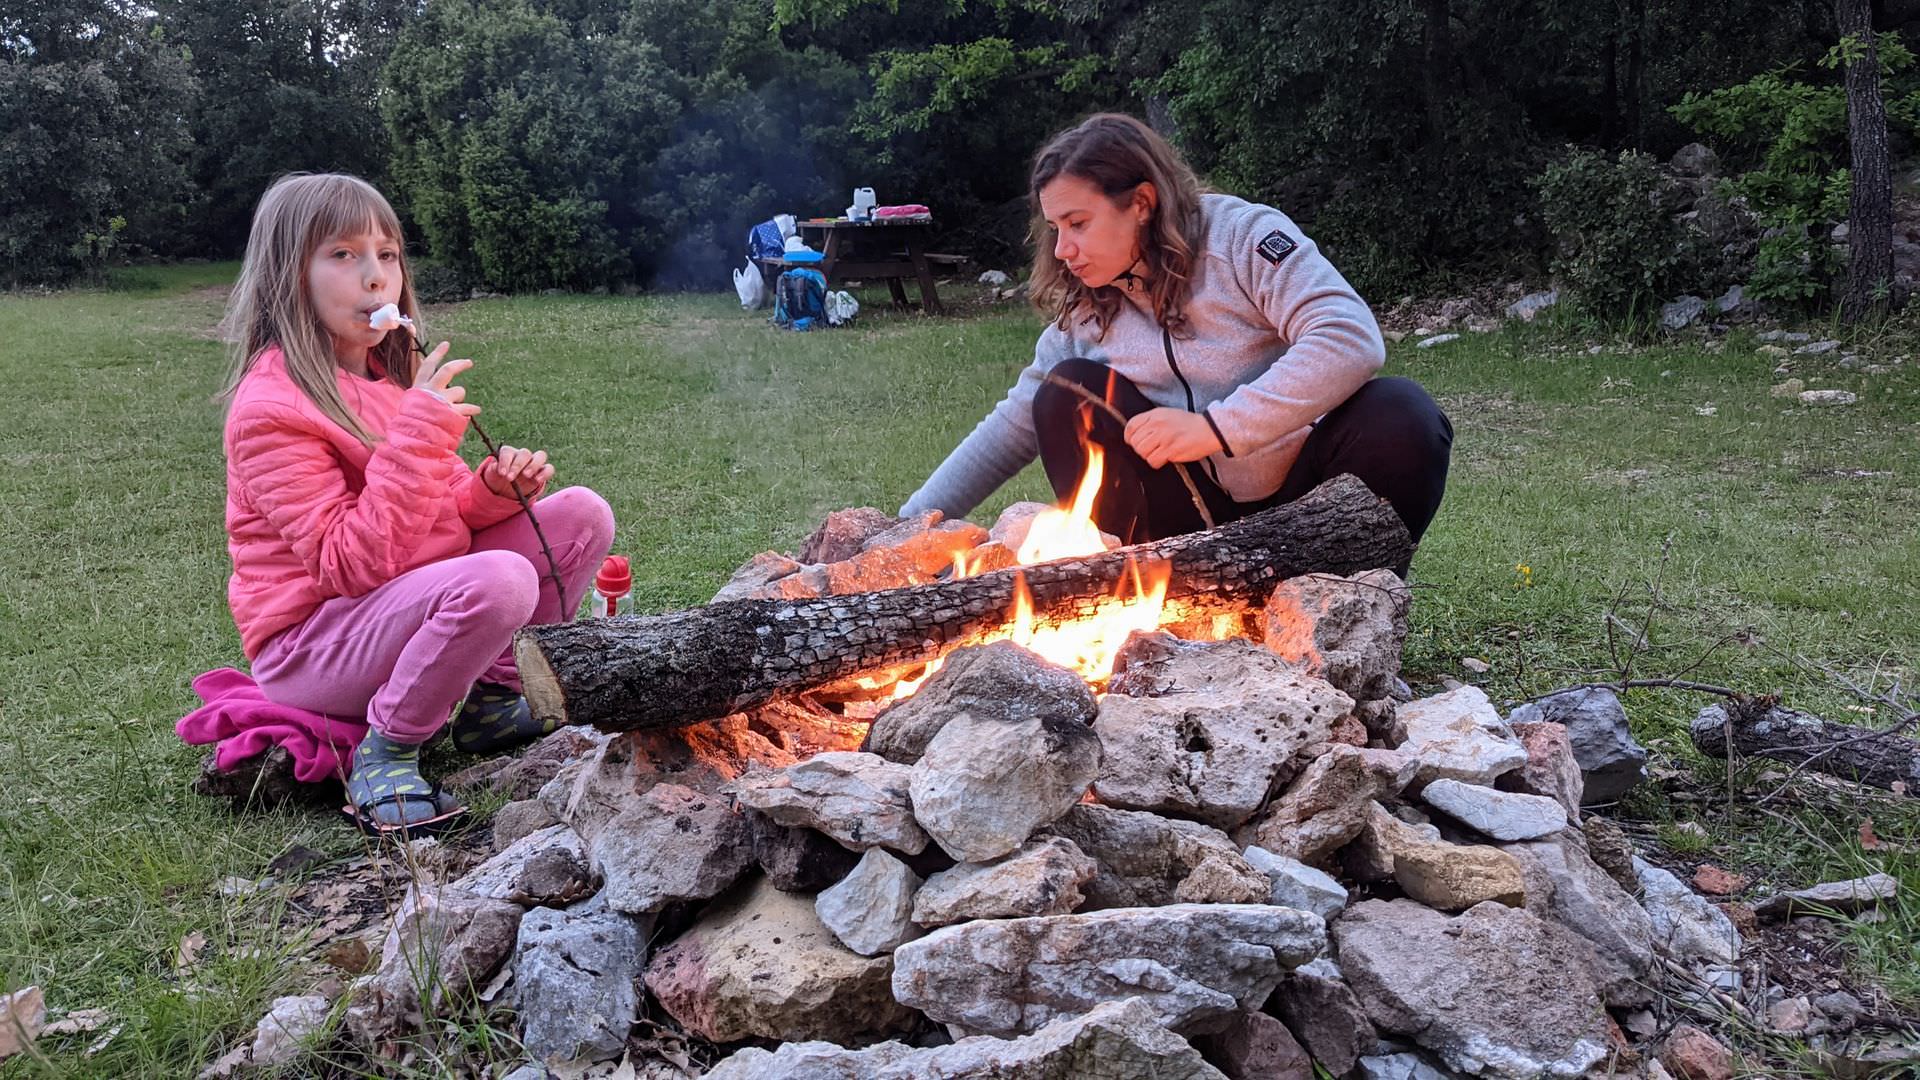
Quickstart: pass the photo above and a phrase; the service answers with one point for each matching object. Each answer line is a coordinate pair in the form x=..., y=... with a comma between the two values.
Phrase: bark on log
x=655, y=671
x=1761, y=727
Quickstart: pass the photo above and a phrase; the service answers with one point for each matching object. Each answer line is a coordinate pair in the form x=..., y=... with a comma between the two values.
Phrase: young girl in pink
x=374, y=572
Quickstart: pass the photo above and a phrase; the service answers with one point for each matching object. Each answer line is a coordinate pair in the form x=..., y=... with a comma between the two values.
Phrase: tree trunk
x=1610, y=78
x=1438, y=47
x=657, y=671
x=1636, y=31
x=1870, y=208
x=1758, y=727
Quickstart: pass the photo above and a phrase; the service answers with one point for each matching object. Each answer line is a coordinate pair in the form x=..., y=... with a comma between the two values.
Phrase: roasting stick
x=1192, y=492
x=388, y=318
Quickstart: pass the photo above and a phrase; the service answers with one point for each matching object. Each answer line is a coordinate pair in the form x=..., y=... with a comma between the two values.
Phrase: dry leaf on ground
x=189, y=952
x=77, y=1022
x=23, y=1014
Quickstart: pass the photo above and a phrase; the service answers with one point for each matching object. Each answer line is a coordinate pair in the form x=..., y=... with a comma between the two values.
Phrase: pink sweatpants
x=405, y=653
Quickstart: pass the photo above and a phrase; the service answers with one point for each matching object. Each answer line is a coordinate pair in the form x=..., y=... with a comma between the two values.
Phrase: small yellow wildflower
x=1523, y=576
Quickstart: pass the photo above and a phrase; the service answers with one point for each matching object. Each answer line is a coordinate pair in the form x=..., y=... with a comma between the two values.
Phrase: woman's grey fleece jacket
x=1276, y=339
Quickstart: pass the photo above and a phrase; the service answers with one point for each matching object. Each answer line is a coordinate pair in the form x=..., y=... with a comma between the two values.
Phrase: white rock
x=1458, y=735
x=1828, y=397
x=1437, y=339
x=1297, y=885
x=871, y=909
x=284, y=1031
x=1044, y=876
x=983, y=786
x=1502, y=815
x=1685, y=926
x=1189, y=963
x=858, y=799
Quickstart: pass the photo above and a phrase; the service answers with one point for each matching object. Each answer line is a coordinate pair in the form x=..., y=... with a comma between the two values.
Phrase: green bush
x=1616, y=248
x=1786, y=135
x=436, y=283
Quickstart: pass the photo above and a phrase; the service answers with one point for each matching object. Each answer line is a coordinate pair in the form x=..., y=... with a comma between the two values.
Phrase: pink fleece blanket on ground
x=238, y=718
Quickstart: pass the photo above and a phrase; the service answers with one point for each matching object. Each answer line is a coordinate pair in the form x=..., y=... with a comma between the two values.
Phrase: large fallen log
x=655, y=671
x=1761, y=727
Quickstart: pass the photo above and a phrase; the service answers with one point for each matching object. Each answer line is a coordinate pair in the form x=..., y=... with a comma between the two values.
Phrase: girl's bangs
x=351, y=208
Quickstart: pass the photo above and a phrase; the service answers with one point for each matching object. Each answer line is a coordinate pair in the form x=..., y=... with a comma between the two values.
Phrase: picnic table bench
x=890, y=248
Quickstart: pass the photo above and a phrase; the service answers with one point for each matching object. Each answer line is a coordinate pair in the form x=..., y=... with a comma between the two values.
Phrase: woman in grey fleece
x=1218, y=328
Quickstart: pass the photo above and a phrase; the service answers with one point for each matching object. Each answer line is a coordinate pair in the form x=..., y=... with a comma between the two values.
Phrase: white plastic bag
x=751, y=286
x=841, y=308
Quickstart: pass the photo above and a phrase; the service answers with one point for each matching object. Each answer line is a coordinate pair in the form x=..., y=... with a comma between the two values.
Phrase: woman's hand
x=437, y=379
x=514, y=470
x=1163, y=435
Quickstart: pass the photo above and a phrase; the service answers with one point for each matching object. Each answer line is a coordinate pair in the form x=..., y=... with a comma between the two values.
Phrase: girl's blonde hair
x=1117, y=153
x=270, y=304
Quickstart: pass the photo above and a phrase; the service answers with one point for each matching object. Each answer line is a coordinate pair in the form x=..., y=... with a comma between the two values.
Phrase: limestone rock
x=1118, y=1039
x=1611, y=760
x=1692, y=1054
x=519, y=819
x=1042, y=877
x=1564, y=886
x=523, y=776
x=929, y=545
x=1327, y=805
x=1349, y=631
x=1608, y=846
x=1206, y=730
x=1322, y=1011
x=997, y=681
x=1685, y=925
x=844, y=533
x=859, y=799
x=591, y=791
x=441, y=947
x=871, y=909
x=1494, y=991
x=545, y=868
x=1190, y=963
x=1401, y=1066
x=1147, y=861
x=1014, y=523
x=760, y=964
x=1255, y=1046
x=289, y=1025
x=1529, y=307
x=1454, y=877
x=673, y=843
x=1500, y=814
x=1458, y=735
x=1550, y=769
x=1297, y=885
x=797, y=859
x=984, y=785
x=1370, y=858
x=573, y=981
x=756, y=574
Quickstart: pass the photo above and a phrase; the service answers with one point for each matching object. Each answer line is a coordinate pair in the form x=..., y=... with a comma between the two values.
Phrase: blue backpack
x=800, y=299
x=764, y=241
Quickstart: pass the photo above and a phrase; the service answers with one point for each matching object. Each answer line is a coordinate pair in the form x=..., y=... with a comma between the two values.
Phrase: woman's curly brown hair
x=1117, y=153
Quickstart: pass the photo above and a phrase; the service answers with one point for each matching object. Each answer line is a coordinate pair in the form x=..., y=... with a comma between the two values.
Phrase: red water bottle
x=611, y=586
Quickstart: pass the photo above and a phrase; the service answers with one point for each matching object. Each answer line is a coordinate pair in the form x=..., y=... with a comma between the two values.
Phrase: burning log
x=659, y=671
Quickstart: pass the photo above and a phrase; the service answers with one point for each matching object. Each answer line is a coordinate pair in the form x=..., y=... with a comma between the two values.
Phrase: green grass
x=716, y=437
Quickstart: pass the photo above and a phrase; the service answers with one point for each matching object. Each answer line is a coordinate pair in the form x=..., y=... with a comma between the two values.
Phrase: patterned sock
x=495, y=718
x=383, y=768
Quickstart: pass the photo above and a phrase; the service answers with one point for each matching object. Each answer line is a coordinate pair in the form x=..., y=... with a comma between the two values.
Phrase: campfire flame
x=1087, y=645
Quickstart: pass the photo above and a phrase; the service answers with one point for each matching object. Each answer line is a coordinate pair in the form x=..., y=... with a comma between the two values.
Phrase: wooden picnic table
x=890, y=248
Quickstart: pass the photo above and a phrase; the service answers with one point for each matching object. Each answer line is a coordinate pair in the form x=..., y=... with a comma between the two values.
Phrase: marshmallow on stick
x=389, y=318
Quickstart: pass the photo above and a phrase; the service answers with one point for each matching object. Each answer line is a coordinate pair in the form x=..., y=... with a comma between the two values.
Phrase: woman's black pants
x=1390, y=433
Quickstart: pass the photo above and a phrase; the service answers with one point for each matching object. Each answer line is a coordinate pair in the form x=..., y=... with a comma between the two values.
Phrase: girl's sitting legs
x=403, y=655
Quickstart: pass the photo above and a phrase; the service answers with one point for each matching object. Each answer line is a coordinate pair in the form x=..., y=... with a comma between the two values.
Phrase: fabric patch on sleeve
x=1276, y=246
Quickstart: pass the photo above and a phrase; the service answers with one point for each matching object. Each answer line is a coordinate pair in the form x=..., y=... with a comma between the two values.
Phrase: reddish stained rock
x=1692, y=1054
x=1714, y=881
x=1349, y=730
x=843, y=533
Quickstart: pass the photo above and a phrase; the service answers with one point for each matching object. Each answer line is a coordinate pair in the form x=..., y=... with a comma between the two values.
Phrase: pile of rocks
x=1245, y=859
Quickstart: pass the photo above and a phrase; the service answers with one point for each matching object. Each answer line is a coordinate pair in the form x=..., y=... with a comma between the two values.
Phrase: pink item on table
x=907, y=210
x=238, y=717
